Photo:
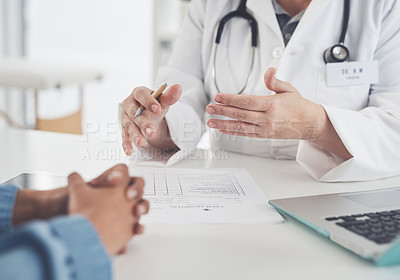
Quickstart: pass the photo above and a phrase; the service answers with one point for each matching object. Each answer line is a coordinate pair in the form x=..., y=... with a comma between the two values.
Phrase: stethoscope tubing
x=241, y=12
x=214, y=69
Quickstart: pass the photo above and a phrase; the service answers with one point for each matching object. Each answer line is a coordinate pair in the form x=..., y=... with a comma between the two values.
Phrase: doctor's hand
x=112, y=203
x=151, y=125
x=285, y=115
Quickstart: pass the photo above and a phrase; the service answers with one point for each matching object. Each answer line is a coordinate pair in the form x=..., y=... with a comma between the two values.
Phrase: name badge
x=352, y=73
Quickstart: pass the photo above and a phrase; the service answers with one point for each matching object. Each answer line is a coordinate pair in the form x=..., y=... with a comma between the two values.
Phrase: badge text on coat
x=352, y=73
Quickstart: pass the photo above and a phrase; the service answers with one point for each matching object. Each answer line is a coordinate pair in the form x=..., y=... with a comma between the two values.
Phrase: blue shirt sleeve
x=88, y=255
x=65, y=248
x=8, y=193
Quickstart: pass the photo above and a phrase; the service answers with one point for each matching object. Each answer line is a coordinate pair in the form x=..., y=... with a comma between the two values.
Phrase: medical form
x=195, y=196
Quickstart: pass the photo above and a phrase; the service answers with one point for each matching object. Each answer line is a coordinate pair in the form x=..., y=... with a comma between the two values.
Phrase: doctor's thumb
x=274, y=84
x=172, y=95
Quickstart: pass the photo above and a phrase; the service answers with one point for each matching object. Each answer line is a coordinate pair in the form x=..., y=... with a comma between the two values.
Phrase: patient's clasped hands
x=112, y=202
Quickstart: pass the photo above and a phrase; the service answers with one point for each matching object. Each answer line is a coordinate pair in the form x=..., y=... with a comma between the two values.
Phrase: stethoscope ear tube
x=240, y=14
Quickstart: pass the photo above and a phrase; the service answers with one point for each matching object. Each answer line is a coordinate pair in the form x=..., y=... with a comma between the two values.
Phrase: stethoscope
x=337, y=53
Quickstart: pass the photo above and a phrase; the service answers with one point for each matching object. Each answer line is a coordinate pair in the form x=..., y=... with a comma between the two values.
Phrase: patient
x=70, y=232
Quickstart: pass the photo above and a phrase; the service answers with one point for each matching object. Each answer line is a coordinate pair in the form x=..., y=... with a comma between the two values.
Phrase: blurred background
x=66, y=64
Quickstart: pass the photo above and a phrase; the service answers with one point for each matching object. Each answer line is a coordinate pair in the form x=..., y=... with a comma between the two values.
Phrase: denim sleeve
x=66, y=248
x=88, y=255
x=8, y=194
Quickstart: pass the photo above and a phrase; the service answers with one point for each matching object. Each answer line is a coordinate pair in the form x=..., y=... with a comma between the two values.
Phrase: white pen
x=156, y=94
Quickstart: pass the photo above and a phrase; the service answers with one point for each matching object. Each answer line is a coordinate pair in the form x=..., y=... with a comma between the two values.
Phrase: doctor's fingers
x=143, y=97
x=158, y=108
x=129, y=126
x=130, y=105
x=235, y=113
x=147, y=125
x=248, y=102
x=234, y=133
x=127, y=143
x=234, y=126
x=130, y=133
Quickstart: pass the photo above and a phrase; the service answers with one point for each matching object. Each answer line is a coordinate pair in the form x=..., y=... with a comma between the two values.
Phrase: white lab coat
x=366, y=117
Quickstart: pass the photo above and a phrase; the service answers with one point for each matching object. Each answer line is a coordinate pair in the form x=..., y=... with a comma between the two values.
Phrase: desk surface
x=278, y=251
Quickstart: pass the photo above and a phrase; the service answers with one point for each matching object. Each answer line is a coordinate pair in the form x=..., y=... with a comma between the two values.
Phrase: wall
x=11, y=43
x=166, y=29
x=114, y=36
x=2, y=95
x=1, y=27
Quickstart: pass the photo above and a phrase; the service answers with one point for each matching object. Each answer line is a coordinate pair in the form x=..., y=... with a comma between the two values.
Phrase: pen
x=156, y=94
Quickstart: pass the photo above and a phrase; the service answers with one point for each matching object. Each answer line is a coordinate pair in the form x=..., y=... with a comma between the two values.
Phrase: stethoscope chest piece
x=337, y=53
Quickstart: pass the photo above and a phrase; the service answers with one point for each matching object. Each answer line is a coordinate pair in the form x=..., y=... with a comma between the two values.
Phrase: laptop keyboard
x=380, y=227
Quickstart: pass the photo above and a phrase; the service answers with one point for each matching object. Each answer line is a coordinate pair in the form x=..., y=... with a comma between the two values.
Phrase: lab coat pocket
x=346, y=97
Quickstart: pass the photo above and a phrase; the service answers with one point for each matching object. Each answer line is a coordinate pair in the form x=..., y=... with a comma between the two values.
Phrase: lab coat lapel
x=264, y=10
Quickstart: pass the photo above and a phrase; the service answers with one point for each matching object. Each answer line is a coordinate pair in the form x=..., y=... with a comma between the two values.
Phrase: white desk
x=283, y=251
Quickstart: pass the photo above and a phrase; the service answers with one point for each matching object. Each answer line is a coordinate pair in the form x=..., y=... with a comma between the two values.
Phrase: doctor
x=341, y=121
